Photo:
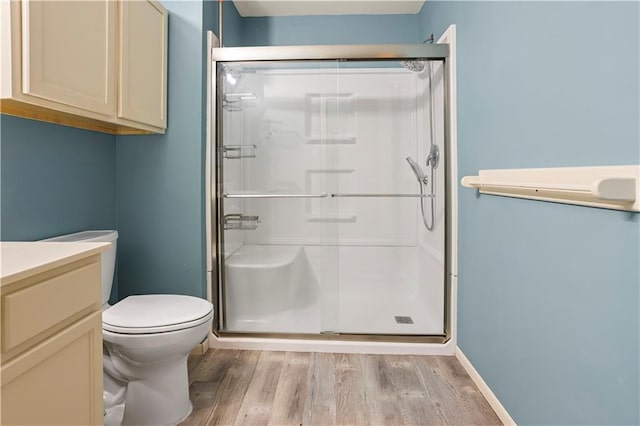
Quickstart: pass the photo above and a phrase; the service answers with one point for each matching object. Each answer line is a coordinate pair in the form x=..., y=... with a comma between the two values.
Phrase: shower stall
x=330, y=192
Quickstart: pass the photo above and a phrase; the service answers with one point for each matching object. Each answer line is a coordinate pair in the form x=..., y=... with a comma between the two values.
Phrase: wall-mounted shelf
x=235, y=152
x=609, y=187
x=234, y=102
x=240, y=222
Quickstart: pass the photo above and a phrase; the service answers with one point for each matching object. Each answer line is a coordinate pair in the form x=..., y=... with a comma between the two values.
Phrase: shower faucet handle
x=434, y=156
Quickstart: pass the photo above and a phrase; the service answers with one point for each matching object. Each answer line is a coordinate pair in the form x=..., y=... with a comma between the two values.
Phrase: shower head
x=232, y=75
x=413, y=65
x=422, y=178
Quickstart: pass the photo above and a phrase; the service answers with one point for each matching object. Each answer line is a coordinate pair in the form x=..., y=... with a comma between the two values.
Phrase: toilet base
x=157, y=399
x=113, y=416
x=154, y=368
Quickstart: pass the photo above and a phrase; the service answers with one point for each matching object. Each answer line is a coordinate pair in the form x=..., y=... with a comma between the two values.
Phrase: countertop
x=19, y=260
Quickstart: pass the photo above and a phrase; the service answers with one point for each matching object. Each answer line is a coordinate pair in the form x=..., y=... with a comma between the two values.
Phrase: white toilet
x=147, y=340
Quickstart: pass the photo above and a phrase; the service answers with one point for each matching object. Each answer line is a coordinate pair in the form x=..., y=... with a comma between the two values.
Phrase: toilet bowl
x=147, y=340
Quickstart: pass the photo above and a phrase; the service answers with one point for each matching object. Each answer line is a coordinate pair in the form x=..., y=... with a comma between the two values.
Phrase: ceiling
x=326, y=7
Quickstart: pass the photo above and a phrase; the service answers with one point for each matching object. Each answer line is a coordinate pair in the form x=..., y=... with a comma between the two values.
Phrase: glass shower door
x=277, y=247
x=332, y=220
x=391, y=270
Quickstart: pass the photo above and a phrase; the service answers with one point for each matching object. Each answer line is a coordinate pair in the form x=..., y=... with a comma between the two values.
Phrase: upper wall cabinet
x=99, y=65
x=143, y=52
x=67, y=60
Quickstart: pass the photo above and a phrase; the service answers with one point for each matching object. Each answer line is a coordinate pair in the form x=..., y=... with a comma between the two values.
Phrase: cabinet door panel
x=142, y=74
x=68, y=52
x=58, y=382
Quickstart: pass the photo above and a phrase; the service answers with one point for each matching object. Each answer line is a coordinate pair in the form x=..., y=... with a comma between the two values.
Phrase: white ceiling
x=326, y=7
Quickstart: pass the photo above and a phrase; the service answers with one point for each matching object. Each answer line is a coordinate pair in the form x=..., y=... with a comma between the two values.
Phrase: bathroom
x=548, y=299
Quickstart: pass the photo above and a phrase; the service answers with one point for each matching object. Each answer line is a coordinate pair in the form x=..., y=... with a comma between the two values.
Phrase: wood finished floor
x=292, y=388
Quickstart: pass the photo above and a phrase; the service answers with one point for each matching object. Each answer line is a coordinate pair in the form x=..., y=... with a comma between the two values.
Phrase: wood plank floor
x=230, y=387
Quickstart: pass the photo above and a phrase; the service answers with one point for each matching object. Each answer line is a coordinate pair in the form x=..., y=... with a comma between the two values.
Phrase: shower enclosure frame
x=340, y=53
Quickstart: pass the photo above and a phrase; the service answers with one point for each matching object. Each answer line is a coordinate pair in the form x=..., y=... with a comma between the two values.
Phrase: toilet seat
x=156, y=313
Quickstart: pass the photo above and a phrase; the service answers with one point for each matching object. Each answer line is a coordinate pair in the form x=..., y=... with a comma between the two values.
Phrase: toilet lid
x=156, y=313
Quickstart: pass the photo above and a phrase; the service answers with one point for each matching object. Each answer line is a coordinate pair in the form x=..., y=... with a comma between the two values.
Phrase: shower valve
x=434, y=157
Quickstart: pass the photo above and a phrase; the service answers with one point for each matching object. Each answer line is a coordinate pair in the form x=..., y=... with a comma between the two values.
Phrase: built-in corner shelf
x=609, y=187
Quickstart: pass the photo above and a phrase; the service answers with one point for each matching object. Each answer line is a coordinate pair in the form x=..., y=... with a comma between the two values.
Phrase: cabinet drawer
x=32, y=310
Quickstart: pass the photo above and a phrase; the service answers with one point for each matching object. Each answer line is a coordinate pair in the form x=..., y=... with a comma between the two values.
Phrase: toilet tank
x=108, y=256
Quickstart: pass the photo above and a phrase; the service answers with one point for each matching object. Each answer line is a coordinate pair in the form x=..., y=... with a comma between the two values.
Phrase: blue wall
x=548, y=293
x=160, y=178
x=58, y=179
x=233, y=25
x=55, y=180
x=330, y=29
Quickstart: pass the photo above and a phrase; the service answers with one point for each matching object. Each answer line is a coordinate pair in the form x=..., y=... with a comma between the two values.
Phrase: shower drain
x=403, y=320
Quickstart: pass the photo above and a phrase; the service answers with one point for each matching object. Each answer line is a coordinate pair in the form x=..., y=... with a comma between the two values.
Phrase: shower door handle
x=368, y=195
x=323, y=195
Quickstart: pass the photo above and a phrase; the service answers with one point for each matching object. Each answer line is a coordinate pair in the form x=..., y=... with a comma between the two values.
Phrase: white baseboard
x=493, y=401
x=331, y=346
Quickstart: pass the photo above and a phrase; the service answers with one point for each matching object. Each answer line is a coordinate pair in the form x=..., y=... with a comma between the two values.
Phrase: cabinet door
x=68, y=52
x=58, y=382
x=143, y=64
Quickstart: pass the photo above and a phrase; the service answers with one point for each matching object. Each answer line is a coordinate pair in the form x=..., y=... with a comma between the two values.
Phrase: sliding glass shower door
x=275, y=203
x=322, y=216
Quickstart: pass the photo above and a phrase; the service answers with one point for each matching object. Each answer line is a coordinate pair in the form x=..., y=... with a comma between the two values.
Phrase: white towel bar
x=611, y=187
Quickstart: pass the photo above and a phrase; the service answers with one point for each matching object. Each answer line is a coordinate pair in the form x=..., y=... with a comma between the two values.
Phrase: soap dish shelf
x=240, y=222
x=236, y=152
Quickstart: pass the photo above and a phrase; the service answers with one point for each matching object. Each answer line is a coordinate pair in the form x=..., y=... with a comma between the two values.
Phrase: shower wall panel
x=433, y=242
x=233, y=135
x=353, y=140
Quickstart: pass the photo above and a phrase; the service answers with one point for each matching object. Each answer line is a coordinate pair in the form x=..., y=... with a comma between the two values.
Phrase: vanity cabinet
x=99, y=65
x=51, y=333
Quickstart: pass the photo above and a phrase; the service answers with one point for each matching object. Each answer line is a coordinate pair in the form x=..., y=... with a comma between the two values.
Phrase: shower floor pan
x=264, y=296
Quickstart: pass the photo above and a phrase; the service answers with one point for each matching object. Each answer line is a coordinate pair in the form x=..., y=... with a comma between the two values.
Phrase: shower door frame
x=383, y=52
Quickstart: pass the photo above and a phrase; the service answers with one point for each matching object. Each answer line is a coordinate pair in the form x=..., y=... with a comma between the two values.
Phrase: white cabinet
x=70, y=53
x=99, y=64
x=143, y=50
x=51, y=333
x=59, y=382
